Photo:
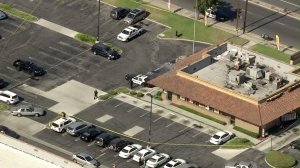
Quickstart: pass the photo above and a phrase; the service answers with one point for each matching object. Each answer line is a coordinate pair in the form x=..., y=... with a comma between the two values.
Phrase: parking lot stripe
x=196, y=134
x=144, y=114
x=100, y=156
x=92, y=143
x=103, y=150
x=183, y=129
x=158, y=119
x=119, y=104
x=170, y=124
x=134, y=130
x=131, y=109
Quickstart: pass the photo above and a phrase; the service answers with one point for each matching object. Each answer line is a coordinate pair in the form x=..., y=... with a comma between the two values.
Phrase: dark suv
x=29, y=67
x=105, y=51
x=118, y=144
x=104, y=139
x=90, y=134
x=119, y=13
x=2, y=83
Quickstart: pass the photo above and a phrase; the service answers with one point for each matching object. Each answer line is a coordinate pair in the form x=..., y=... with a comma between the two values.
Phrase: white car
x=241, y=165
x=174, y=163
x=211, y=12
x=61, y=124
x=157, y=160
x=130, y=150
x=221, y=137
x=130, y=32
x=9, y=97
x=140, y=79
x=144, y=154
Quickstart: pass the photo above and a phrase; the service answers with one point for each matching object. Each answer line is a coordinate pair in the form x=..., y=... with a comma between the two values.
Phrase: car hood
x=123, y=35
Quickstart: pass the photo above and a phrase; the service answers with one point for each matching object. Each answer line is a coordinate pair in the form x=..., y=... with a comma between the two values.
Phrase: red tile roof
x=256, y=114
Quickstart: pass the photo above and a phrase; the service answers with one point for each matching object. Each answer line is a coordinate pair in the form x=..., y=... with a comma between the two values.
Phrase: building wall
x=178, y=101
x=246, y=125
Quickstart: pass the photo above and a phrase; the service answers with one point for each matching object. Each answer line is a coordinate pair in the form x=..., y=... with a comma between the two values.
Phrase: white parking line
x=158, y=119
x=92, y=143
x=144, y=114
x=119, y=104
x=171, y=124
x=103, y=150
x=196, y=134
x=77, y=139
x=100, y=156
x=131, y=109
x=183, y=129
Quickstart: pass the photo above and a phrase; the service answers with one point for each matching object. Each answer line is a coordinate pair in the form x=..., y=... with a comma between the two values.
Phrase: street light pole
x=237, y=15
x=150, y=120
x=245, y=18
x=98, y=27
x=195, y=27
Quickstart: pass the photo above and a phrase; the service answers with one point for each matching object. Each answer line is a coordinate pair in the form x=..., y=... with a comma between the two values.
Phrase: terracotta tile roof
x=255, y=114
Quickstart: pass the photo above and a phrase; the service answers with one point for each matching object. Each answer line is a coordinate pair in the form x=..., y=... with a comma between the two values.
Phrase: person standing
x=95, y=94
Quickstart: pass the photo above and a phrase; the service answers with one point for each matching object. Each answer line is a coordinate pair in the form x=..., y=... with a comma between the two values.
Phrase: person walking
x=95, y=94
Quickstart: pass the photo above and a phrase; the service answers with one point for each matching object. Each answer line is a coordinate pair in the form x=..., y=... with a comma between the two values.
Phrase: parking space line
x=100, y=156
x=92, y=143
x=103, y=150
x=119, y=104
x=184, y=129
x=171, y=124
x=132, y=109
x=196, y=134
x=158, y=119
x=144, y=114
x=77, y=139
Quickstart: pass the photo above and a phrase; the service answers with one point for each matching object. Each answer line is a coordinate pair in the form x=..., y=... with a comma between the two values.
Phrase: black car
x=295, y=144
x=105, y=51
x=104, y=139
x=9, y=132
x=29, y=67
x=90, y=134
x=2, y=83
x=118, y=144
x=221, y=17
x=119, y=13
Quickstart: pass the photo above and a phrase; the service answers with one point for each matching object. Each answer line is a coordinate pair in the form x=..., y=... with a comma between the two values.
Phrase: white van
x=61, y=124
x=9, y=97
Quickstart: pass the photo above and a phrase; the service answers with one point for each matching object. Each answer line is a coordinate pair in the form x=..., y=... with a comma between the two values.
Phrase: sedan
x=174, y=163
x=3, y=15
x=130, y=150
x=143, y=154
x=29, y=67
x=157, y=160
x=90, y=134
x=85, y=159
x=27, y=110
x=221, y=137
x=2, y=83
x=241, y=165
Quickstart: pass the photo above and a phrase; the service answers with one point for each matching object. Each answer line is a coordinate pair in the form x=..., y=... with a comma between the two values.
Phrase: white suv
x=9, y=97
x=61, y=124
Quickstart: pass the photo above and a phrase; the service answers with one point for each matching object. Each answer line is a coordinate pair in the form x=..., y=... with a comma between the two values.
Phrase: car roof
x=220, y=133
x=84, y=154
x=76, y=124
x=25, y=106
x=60, y=120
x=9, y=93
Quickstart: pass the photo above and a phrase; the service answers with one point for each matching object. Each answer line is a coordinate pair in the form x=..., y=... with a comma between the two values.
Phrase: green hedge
x=85, y=38
x=122, y=90
x=200, y=114
x=139, y=94
x=4, y=106
x=133, y=92
x=247, y=132
x=238, y=143
x=17, y=12
x=105, y=97
x=157, y=96
x=280, y=160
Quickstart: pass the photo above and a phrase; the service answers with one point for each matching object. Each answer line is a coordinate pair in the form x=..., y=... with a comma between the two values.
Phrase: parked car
x=9, y=132
x=174, y=163
x=27, y=110
x=241, y=165
x=2, y=83
x=186, y=165
x=118, y=144
x=295, y=144
x=157, y=160
x=130, y=32
x=3, y=15
x=29, y=67
x=9, y=97
x=140, y=79
x=61, y=124
x=130, y=150
x=221, y=137
x=77, y=128
x=85, y=160
x=104, y=139
x=119, y=13
x=211, y=12
x=221, y=16
x=135, y=16
x=90, y=134
x=105, y=51
x=144, y=154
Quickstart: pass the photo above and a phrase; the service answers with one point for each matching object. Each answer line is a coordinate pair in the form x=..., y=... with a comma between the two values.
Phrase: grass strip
x=252, y=134
x=18, y=13
x=200, y=114
x=3, y=106
x=238, y=143
x=280, y=160
x=271, y=52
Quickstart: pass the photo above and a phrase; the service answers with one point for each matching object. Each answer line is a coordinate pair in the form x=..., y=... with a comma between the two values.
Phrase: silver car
x=135, y=16
x=27, y=110
x=85, y=159
x=77, y=128
x=3, y=15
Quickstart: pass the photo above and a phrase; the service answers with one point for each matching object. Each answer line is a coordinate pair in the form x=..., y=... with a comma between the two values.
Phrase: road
x=261, y=20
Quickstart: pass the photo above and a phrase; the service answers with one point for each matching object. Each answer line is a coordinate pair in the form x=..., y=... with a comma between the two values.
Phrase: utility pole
x=98, y=27
x=237, y=16
x=150, y=121
x=195, y=26
x=245, y=17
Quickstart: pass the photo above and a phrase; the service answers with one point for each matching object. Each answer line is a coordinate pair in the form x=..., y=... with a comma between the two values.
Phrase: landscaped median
x=3, y=107
x=181, y=24
x=277, y=159
x=238, y=143
x=18, y=13
x=271, y=52
x=118, y=90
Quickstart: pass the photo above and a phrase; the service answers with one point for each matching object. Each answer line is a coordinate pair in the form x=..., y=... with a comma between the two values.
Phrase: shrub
x=122, y=90
x=158, y=95
x=139, y=94
x=112, y=92
x=247, y=132
x=105, y=97
x=4, y=106
x=17, y=12
x=86, y=38
x=133, y=92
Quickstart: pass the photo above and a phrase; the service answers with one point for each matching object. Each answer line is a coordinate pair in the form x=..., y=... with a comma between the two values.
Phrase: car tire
x=74, y=160
x=37, y=115
x=19, y=115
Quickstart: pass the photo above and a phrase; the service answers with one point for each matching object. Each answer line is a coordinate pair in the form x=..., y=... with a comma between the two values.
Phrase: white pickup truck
x=130, y=32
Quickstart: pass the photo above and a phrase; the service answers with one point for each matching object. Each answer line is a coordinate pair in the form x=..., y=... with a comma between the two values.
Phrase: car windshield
x=125, y=32
x=169, y=165
x=14, y=97
x=30, y=108
x=152, y=160
x=125, y=151
x=54, y=124
x=139, y=154
x=130, y=15
x=216, y=136
x=88, y=158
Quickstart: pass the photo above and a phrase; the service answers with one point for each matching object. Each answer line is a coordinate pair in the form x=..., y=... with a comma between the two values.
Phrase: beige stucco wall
x=164, y=96
x=246, y=125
